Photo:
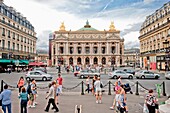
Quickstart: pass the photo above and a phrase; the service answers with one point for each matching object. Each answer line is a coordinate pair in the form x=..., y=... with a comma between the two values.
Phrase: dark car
x=129, y=71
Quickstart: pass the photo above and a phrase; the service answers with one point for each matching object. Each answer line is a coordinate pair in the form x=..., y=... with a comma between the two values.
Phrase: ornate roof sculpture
x=112, y=27
x=62, y=27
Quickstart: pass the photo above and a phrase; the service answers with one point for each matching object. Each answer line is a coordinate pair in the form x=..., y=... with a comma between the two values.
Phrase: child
x=24, y=98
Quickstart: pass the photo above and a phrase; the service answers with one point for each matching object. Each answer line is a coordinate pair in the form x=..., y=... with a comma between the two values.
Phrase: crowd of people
x=27, y=95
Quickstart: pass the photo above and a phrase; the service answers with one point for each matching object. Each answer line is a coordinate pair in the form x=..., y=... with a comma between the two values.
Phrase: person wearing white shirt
x=98, y=88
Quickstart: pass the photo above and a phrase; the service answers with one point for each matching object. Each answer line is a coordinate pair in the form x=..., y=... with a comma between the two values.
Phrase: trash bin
x=158, y=90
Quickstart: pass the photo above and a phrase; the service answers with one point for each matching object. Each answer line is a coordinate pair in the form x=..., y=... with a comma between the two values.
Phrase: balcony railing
x=17, y=28
x=12, y=50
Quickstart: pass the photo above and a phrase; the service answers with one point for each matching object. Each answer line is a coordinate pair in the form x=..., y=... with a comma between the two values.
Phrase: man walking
x=5, y=96
x=51, y=96
x=60, y=82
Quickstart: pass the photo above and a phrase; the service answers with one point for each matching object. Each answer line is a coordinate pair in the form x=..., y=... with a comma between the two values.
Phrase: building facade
x=17, y=35
x=132, y=57
x=154, y=32
x=86, y=46
x=42, y=56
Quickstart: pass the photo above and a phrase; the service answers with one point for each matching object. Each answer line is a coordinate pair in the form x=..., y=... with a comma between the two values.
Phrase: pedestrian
x=151, y=102
x=5, y=96
x=60, y=82
x=97, y=85
x=24, y=99
x=34, y=91
x=119, y=80
x=88, y=84
x=57, y=90
x=30, y=96
x=93, y=88
x=122, y=99
x=20, y=83
x=117, y=90
x=51, y=96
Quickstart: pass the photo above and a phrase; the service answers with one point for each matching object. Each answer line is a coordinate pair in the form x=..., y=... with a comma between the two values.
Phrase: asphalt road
x=72, y=96
x=70, y=81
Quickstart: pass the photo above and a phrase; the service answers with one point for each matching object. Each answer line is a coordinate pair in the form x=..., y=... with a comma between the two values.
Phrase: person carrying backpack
x=151, y=102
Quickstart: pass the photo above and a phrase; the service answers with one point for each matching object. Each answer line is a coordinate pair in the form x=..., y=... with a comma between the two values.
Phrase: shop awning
x=7, y=61
x=36, y=64
x=26, y=62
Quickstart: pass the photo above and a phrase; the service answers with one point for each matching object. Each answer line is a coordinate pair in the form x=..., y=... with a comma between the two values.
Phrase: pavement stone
x=68, y=100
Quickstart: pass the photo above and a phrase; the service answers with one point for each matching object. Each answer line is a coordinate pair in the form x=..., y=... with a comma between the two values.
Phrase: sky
x=47, y=15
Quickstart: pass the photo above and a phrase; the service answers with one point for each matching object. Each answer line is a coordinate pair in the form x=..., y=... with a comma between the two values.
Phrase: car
x=115, y=74
x=129, y=71
x=40, y=69
x=37, y=75
x=86, y=73
x=146, y=74
x=167, y=75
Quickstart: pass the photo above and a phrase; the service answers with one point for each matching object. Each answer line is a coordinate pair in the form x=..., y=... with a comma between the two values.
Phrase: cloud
x=43, y=40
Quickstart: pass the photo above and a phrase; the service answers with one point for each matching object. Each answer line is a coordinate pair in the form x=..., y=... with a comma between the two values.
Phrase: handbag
x=145, y=109
x=101, y=85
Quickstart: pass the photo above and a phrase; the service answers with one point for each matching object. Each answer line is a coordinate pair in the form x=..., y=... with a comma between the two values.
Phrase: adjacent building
x=42, y=56
x=132, y=57
x=154, y=39
x=86, y=46
x=17, y=35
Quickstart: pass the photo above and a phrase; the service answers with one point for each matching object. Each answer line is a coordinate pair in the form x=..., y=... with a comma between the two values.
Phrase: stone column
x=91, y=48
x=66, y=48
x=75, y=49
x=107, y=48
x=91, y=60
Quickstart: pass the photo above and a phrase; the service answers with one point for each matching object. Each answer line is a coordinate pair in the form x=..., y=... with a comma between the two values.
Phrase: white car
x=146, y=74
x=37, y=75
x=115, y=74
x=86, y=73
x=167, y=75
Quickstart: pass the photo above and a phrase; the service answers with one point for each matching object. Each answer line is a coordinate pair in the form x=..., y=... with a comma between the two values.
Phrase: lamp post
x=167, y=58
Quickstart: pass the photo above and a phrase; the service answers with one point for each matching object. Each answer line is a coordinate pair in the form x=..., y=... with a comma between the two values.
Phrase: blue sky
x=47, y=15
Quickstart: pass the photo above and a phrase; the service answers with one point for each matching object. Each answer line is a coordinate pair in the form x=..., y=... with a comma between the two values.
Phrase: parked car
x=115, y=74
x=167, y=75
x=129, y=71
x=40, y=69
x=37, y=75
x=86, y=73
x=146, y=74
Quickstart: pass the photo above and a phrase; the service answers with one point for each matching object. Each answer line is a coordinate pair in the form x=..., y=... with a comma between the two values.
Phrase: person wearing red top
x=60, y=83
x=20, y=83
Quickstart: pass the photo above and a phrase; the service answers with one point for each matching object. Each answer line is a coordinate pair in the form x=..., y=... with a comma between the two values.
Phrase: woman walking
x=20, y=83
x=24, y=99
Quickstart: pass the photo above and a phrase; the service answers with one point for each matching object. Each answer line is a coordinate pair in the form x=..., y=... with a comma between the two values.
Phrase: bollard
x=137, y=92
x=109, y=93
x=2, y=85
x=164, y=94
x=82, y=88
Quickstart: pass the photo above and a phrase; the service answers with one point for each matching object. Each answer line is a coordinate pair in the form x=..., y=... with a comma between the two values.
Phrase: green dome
x=87, y=27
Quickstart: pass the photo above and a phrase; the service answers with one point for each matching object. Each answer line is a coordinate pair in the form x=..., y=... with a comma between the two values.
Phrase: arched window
x=103, y=60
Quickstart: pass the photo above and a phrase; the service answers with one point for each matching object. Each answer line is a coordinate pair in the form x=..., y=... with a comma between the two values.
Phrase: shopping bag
x=145, y=109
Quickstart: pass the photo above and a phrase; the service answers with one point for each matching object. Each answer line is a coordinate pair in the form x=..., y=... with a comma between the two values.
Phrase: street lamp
x=167, y=58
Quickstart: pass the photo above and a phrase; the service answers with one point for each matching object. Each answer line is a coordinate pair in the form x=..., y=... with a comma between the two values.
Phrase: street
x=72, y=91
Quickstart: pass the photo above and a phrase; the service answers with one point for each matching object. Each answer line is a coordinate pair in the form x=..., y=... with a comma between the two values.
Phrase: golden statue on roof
x=112, y=27
x=62, y=27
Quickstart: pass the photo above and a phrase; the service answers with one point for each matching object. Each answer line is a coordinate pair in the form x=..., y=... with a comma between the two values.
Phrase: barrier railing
x=109, y=84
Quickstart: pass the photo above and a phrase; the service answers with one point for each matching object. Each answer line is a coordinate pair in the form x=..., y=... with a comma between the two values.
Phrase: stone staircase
x=165, y=108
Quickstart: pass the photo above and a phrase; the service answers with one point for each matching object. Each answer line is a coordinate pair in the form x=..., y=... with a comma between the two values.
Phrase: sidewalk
x=68, y=100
